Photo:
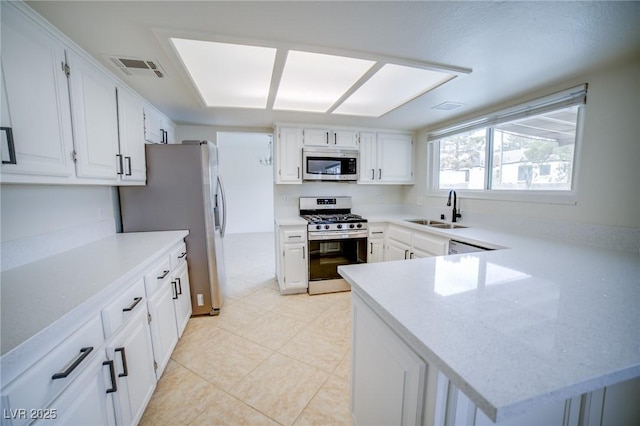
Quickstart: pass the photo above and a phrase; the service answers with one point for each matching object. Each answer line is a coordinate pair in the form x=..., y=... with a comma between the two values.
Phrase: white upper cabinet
x=288, y=167
x=36, y=120
x=153, y=131
x=368, y=157
x=95, y=121
x=131, y=125
x=330, y=138
x=62, y=122
x=386, y=158
x=395, y=158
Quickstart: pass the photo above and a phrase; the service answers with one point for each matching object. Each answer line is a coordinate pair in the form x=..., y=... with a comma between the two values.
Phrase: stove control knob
x=359, y=225
x=352, y=226
x=318, y=227
x=339, y=226
x=326, y=227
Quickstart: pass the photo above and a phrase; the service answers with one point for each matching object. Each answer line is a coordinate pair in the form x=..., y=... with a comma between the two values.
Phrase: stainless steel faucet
x=456, y=214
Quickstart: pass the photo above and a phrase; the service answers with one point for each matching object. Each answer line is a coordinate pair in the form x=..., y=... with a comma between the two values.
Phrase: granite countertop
x=48, y=296
x=535, y=322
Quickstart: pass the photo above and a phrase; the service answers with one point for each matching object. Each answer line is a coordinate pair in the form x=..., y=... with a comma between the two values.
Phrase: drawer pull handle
x=164, y=274
x=84, y=352
x=182, y=255
x=136, y=300
x=112, y=371
x=175, y=290
x=371, y=252
x=295, y=236
x=179, y=286
x=123, y=356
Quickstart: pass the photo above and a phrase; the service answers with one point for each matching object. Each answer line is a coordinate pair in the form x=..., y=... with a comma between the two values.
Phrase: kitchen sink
x=435, y=223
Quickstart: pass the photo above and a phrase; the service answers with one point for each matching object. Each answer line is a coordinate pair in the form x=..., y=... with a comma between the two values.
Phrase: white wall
x=38, y=220
x=248, y=184
x=609, y=162
x=367, y=200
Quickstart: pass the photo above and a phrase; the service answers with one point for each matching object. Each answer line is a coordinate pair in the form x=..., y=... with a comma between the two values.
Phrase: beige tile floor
x=266, y=359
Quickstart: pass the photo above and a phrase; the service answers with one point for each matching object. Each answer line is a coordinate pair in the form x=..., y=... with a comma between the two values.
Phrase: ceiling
x=511, y=48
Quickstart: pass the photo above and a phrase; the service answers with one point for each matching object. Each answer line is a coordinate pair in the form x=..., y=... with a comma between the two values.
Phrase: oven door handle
x=314, y=236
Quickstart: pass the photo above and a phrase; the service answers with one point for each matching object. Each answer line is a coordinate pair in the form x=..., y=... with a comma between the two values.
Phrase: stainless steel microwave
x=326, y=164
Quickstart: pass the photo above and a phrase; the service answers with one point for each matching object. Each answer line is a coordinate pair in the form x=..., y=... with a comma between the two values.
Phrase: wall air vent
x=137, y=67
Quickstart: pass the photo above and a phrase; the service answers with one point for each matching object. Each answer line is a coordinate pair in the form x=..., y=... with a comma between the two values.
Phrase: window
x=524, y=149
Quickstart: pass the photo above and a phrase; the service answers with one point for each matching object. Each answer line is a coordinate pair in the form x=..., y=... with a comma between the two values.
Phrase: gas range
x=330, y=214
x=335, y=237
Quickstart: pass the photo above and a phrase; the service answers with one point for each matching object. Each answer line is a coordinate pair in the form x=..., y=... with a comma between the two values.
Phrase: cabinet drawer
x=36, y=387
x=399, y=234
x=160, y=274
x=295, y=236
x=431, y=244
x=178, y=255
x=119, y=310
x=376, y=231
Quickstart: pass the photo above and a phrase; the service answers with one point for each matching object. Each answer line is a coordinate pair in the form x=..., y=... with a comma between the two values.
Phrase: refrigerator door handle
x=224, y=208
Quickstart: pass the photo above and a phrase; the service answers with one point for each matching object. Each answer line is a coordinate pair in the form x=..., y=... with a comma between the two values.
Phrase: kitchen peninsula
x=538, y=332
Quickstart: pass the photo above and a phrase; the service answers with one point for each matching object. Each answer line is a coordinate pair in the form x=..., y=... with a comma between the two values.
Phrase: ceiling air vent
x=138, y=67
x=447, y=106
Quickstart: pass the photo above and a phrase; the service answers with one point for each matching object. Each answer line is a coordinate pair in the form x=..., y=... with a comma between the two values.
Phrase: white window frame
x=536, y=196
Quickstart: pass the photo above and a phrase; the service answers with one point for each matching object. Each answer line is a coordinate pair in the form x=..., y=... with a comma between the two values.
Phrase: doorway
x=246, y=169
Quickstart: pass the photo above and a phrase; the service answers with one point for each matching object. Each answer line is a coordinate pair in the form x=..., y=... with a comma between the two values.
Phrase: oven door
x=326, y=253
x=324, y=165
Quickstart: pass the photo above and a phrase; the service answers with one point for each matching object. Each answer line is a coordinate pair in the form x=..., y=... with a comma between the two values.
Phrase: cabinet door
x=344, y=139
x=182, y=297
x=428, y=245
x=289, y=155
x=153, y=126
x=169, y=130
x=95, y=121
x=376, y=250
x=368, y=158
x=294, y=267
x=318, y=137
x=388, y=378
x=35, y=100
x=85, y=401
x=164, y=333
x=397, y=251
x=395, y=158
x=132, y=353
x=131, y=125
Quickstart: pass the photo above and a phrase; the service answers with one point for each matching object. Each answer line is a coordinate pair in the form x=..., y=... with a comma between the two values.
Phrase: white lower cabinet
x=88, y=401
x=403, y=243
x=376, y=243
x=387, y=379
x=105, y=371
x=292, y=263
x=392, y=385
x=181, y=297
x=162, y=314
x=131, y=351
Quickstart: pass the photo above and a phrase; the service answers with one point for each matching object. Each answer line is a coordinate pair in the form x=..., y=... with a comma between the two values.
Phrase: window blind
x=569, y=97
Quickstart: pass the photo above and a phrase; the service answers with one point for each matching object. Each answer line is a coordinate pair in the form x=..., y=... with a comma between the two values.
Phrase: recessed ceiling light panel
x=228, y=75
x=314, y=82
x=393, y=85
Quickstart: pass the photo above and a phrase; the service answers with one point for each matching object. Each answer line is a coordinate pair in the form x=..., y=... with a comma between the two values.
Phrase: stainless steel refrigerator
x=184, y=191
